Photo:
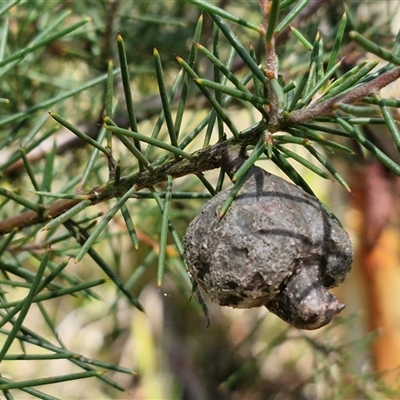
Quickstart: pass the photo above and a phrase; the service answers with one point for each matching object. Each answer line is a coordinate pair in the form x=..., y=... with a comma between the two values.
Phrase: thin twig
x=327, y=107
x=271, y=60
x=203, y=160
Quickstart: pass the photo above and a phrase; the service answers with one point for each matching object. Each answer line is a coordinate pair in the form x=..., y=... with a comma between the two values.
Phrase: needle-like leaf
x=214, y=10
x=164, y=233
x=26, y=305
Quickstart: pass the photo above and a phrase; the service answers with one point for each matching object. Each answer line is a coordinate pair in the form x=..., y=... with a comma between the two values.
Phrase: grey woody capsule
x=275, y=247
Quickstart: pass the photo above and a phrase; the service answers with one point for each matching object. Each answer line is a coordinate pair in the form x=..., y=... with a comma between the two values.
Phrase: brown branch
x=203, y=160
x=327, y=107
x=271, y=60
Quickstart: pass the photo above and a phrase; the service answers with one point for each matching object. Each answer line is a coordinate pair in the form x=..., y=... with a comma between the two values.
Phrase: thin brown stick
x=205, y=159
x=327, y=107
x=271, y=60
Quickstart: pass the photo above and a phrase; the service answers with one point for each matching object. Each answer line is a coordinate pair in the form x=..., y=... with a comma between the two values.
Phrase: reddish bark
x=379, y=237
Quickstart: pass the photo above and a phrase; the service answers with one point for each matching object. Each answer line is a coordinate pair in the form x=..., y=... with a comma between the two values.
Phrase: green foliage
x=102, y=216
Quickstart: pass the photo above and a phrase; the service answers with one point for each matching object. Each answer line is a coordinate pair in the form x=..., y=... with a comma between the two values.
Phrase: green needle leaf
x=67, y=215
x=293, y=13
x=380, y=155
x=58, y=293
x=312, y=76
x=374, y=48
x=217, y=107
x=347, y=75
x=103, y=223
x=213, y=10
x=49, y=380
x=232, y=194
x=6, y=7
x=273, y=18
x=33, y=392
x=280, y=160
x=349, y=83
x=303, y=161
x=218, y=95
x=48, y=172
x=81, y=236
x=126, y=82
x=242, y=95
x=154, y=142
x=79, y=133
x=320, y=84
x=164, y=232
x=359, y=111
x=175, y=238
x=131, y=228
x=390, y=122
x=328, y=166
x=21, y=200
x=161, y=118
x=278, y=139
x=301, y=38
x=365, y=121
x=287, y=3
x=110, y=93
x=258, y=86
x=299, y=91
x=338, y=41
x=222, y=67
x=233, y=40
x=255, y=155
x=164, y=98
x=50, y=102
x=43, y=284
x=5, y=243
x=30, y=48
x=29, y=169
x=278, y=92
x=62, y=195
x=310, y=134
x=389, y=102
x=26, y=305
x=327, y=129
x=187, y=80
x=131, y=147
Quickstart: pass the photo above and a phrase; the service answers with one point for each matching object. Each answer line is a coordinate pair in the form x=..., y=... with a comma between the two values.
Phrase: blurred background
x=243, y=354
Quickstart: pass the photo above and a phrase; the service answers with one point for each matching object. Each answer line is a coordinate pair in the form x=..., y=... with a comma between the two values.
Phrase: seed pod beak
x=305, y=302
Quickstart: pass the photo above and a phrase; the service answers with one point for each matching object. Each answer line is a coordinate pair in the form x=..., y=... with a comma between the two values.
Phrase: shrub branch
x=202, y=160
x=327, y=107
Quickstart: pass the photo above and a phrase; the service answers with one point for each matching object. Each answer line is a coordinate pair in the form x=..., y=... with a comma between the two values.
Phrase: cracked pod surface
x=276, y=246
